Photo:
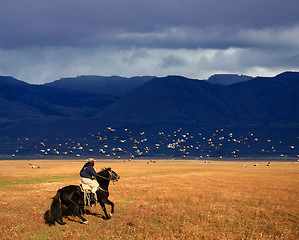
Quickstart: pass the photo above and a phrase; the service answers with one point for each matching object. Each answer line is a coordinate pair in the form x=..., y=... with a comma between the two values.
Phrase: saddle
x=86, y=189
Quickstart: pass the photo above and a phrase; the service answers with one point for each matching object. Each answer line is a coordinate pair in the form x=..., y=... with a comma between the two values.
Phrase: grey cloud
x=250, y=61
x=172, y=60
x=38, y=65
x=41, y=41
x=147, y=23
x=213, y=38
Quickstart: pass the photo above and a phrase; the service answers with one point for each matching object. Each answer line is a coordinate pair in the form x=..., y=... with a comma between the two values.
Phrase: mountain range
x=113, y=85
x=228, y=79
x=74, y=106
x=178, y=100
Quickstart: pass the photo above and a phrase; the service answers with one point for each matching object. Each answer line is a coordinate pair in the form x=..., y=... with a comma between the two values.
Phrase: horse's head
x=114, y=176
x=108, y=174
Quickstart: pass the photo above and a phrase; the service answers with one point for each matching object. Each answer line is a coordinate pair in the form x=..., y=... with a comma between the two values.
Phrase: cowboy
x=88, y=174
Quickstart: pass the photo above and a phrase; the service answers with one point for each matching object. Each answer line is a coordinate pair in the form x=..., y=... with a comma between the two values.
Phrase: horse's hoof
x=110, y=215
x=85, y=222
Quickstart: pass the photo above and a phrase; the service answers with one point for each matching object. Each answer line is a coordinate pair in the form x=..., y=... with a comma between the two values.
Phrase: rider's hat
x=90, y=160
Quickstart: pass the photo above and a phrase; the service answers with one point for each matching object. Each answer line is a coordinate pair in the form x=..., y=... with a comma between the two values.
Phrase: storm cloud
x=41, y=41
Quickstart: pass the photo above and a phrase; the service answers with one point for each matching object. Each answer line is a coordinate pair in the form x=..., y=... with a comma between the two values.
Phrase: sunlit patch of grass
x=17, y=181
x=166, y=200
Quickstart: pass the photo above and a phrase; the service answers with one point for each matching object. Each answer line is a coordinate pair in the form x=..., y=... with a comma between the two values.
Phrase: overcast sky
x=44, y=40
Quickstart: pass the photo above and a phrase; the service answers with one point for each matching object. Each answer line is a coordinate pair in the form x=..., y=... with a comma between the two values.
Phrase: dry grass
x=166, y=200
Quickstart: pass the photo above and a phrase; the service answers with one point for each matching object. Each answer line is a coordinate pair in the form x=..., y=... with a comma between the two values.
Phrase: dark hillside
x=271, y=100
x=179, y=100
x=258, y=117
x=114, y=85
x=228, y=79
x=29, y=101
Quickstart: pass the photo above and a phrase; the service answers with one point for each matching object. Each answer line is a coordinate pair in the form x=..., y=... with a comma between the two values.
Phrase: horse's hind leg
x=63, y=210
x=60, y=221
x=78, y=214
x=77, y=211
x=82, y=211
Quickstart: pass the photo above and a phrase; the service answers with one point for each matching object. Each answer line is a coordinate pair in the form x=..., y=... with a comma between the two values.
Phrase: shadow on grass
x=88, y=212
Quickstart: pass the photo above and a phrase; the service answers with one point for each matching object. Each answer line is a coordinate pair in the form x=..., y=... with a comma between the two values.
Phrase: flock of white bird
x=126, y=145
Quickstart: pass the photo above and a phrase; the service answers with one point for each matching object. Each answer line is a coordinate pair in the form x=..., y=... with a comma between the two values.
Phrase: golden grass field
x=163, y=200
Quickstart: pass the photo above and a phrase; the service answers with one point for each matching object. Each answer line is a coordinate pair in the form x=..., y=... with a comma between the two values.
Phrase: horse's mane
x=105, y=169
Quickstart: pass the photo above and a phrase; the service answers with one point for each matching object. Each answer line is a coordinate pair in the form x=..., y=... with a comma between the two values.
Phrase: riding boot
x=92, y=198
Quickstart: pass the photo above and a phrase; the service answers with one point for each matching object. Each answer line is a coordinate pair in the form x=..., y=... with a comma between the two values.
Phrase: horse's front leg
x=112, y=206
x=108, y=202
x=105, y=211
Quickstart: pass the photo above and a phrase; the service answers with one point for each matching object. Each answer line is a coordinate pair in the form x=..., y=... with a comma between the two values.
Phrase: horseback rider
x=88, y=174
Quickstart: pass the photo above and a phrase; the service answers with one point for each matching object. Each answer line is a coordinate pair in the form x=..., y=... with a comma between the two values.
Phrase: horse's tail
x=55, y=213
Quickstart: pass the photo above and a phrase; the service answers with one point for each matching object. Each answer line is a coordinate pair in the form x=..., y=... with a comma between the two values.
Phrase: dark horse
x=70, y=200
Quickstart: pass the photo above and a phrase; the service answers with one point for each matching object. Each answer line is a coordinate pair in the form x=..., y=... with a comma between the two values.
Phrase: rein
x=103, y=177
x=109, y=179
x=103, y=189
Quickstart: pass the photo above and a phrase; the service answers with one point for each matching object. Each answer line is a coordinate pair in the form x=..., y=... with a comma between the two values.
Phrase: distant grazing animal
x=69, y=200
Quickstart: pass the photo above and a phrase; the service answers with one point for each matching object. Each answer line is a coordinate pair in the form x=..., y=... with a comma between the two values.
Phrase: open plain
x=164, y=200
